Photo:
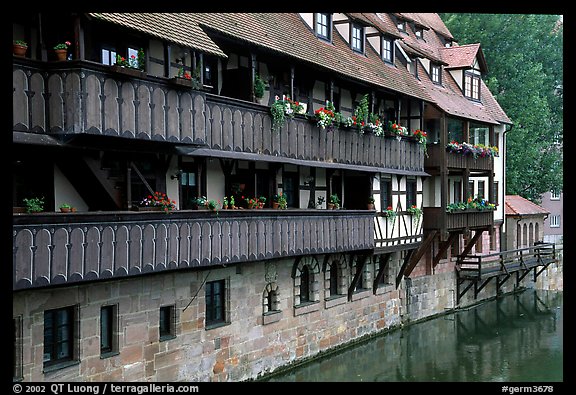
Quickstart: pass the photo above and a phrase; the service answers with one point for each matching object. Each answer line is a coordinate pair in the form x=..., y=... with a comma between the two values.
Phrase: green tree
x=524, y=53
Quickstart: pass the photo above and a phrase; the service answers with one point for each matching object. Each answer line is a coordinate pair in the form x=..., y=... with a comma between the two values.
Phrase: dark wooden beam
x=471, y=242
x=443, y=247
x=420, y=251
x=361, y=261
x=383, y=261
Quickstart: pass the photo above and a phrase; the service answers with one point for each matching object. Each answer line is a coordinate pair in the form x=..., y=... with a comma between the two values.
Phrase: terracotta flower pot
x=61, y=54
x=19, y=50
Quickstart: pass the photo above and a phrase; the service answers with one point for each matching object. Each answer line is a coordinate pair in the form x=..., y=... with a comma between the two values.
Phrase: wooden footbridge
x=476, y=271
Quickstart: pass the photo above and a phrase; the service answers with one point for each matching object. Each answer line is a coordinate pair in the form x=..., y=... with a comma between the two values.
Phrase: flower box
x=128, y=71
x=181, y=81
x=150, y=208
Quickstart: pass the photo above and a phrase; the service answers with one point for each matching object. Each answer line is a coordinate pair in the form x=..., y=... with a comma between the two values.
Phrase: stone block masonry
x=247, y=344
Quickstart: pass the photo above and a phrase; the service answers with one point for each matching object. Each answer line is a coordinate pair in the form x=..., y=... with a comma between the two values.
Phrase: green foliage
x=524, y=53
x=259, y=87
x=34, y=205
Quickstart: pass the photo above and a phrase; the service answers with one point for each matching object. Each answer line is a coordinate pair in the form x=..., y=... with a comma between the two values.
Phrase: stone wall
x=252, y=341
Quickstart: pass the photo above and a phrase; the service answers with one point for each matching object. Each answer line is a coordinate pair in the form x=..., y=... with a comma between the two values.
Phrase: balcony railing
x=79, y=97
x=51, y=248
x=456, y=161
x=471, y=219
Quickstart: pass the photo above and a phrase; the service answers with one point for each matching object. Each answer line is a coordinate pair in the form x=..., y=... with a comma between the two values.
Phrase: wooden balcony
x=456, y=161
x=52, y=248
x=468, y=219
x=81, y=97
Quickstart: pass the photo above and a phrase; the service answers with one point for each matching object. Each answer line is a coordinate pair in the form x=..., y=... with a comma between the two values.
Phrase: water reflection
x=514, y=338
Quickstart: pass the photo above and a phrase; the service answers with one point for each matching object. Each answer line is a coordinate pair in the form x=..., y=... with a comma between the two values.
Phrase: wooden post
x=252, y=76
x=292, y=82
x=443, y=176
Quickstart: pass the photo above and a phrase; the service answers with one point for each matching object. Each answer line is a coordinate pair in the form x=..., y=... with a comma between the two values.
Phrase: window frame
x=385, y=50
x=210, y=318
x=401, y=25
x=355, y=27
x=318, y=21
x=436, y=73
x=471, y=81
x=111, y=330
x=411, y=192
x=167, y=315
x=555, y=221
x=386, y=194
x=71, y=325
x=554, y=195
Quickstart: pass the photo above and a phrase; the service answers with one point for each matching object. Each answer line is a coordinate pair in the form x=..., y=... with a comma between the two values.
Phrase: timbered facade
x=161, y=102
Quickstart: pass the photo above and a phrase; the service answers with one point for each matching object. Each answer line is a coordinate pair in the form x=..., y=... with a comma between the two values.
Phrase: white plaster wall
x=215, y=177
x=308, y=18
x=172, y=184
x=64, y=192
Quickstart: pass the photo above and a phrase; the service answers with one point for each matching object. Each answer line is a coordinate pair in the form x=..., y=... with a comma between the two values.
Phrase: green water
x=515, y=338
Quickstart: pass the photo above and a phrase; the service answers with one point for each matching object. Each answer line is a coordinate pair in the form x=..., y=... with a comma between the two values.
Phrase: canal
x=515, y=338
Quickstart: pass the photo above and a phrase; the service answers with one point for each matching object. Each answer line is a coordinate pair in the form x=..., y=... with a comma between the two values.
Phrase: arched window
x=334, y=278
x=305, y=284
x=518, y=236
x=525, y=235
x=270, y=298
x=537, y=232
x=530, y=235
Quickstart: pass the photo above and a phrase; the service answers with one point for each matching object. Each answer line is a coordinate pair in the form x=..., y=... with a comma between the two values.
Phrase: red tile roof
x=462, y=56
x=287, y=34
x=517, y=205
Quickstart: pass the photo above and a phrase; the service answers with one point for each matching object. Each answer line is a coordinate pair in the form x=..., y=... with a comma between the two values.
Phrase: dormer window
x=322, y=24
x=401, y=25
x=472, y=85
x=435, y=74
x=419, y=32
x=357, y=38
x=387, y=50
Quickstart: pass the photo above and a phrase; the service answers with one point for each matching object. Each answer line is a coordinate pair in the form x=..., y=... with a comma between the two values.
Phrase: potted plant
x=213, y=205
x=334, y=202
x=259, y=87
x=19, y=47
x=415, y=212
x=34, y=205
x=232, y=203
x=225, y=203
x=201, y=203
x=370, y=203
x=158, y=201
x=65, y=208
x=279, y=201
x=320, y=201
x=62, y=50
x=390, y=213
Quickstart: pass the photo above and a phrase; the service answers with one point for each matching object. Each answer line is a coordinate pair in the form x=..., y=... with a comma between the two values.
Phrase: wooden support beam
x=403, y=267
x=477, y=288
x=383, y=261
x=471, y=242
x=419, y=253
x=443, y=247
x=500, y=283
x=460, y=294
x=361, y=261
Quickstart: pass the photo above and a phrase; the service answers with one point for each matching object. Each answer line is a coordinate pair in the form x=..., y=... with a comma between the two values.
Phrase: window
x=271, y=302
x=322, y=25
x=108, y=56
x=555, y=221
x=419, y=32
x=479, y=134
x=455, y=130
x=385, y=193
x=58, y=335
x=357, y=38
x=470, y=188
x=481, y=189
x=133, y=58
x=554, y=195
x=305, y=285
x=108, y=322
x=334, y=278
x=495, y=193
x=387, y=50
x=401, y=25
x=167, y=322
x=215, y=302
x=472, y=86
x=457, y=191
x=435, y=73
x=410, y=192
